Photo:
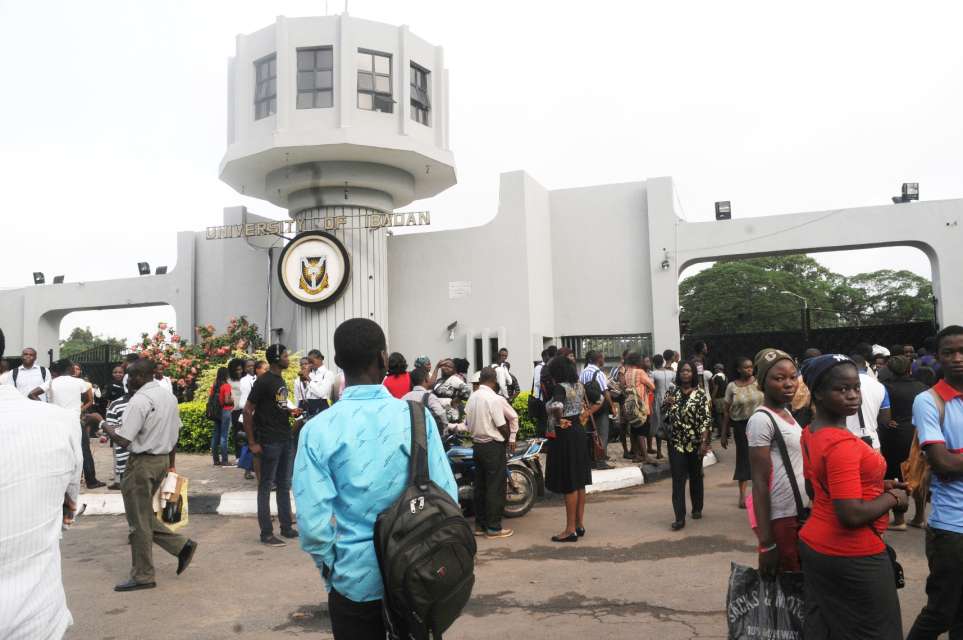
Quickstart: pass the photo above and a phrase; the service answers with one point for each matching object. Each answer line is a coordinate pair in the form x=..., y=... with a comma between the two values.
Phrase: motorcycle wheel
x=519, y=492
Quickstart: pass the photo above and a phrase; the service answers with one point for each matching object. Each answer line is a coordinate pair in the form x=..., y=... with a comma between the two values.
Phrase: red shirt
x=224, y=396
x=398, y=384
x=851, y=470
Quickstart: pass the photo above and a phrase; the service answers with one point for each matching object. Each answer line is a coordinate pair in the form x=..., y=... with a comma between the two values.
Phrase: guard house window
x=420, y=103
x=374, y=81
x=266, y=87
x=315, y=78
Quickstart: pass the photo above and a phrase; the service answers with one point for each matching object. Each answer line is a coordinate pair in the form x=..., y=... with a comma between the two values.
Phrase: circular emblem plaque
x=314, y=269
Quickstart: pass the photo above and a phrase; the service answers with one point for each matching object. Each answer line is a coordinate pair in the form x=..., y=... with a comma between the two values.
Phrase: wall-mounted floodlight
x=38, y=277
x=724, y=210
x=451, y=331
x=58, y=279
x=143, y=268
x=161, y=270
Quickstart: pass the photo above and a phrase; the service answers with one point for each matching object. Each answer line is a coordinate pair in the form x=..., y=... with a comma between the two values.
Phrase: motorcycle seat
x=461, y=452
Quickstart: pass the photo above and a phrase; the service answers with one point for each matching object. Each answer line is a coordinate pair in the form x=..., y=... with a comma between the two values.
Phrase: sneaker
x=273, y=541
x=290, y=533
x=248, y=475
x=500, y=533
x=479, y=532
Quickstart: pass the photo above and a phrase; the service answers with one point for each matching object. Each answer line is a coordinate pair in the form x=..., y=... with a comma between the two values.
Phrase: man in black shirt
x=268, y=429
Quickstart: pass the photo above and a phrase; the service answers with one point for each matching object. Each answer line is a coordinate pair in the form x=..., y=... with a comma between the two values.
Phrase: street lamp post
x=804, y=313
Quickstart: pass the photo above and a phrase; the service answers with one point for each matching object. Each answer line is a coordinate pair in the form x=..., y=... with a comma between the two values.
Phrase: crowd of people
x=821, y=446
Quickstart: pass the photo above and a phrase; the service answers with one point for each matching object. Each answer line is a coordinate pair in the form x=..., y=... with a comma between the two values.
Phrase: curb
x=244, y=503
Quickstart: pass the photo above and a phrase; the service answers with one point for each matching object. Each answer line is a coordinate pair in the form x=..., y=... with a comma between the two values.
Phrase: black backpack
x=213, y=409
x=425, y=548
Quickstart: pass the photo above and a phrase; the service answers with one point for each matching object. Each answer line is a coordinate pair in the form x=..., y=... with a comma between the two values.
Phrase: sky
x=113, y=115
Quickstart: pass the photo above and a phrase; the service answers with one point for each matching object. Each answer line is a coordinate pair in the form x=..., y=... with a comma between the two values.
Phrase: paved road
x=630, y=577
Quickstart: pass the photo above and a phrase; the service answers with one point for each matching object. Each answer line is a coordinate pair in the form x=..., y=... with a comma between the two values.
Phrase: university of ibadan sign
x=334, y=223
x=314, y=269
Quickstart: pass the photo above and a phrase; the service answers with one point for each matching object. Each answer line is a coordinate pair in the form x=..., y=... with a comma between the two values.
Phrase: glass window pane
x=273, y=70
x=323, y=79
x=325, y=59
x=383, y=103
x=305, y=99
x=382, y=64
x=305, y=60
x=324, y=99
x=382, y=84
x=364, y=101
x=272, y=87
x=305, y=80
x=364, y=61
x=258, y=110
x=273, y=106
x=365, y=81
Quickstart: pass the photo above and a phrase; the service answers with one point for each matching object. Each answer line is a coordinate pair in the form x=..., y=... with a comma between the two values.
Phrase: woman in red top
x=397, y=381
x=222, y=387
x=850, y=587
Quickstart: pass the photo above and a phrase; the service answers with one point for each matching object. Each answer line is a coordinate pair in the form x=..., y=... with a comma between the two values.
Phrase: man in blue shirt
x=939, y=425
x=352, y=464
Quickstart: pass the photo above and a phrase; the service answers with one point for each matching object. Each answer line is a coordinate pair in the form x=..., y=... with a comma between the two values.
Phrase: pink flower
x=161, y=325
x=175, y=338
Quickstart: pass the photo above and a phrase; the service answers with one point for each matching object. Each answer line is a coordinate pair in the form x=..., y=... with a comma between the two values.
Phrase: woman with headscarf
x=897, y=438
x=850, y=584
x=778, y=499
x=453, y=388
x=686, y=409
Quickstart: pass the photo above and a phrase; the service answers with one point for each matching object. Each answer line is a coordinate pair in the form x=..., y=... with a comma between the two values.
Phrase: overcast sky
x=113, y=114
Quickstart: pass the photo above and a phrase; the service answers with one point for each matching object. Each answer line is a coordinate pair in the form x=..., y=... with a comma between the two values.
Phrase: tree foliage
x=740, y=296
x=82, y=339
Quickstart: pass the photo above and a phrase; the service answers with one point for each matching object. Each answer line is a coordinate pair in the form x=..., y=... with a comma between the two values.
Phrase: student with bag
x=354, y=461
x=851, y=574
x=776, y=505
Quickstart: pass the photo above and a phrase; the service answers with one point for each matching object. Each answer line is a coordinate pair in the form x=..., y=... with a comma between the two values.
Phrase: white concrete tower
x=340, y=121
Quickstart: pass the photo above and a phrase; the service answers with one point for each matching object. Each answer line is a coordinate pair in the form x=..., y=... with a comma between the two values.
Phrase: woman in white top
x=776, y=499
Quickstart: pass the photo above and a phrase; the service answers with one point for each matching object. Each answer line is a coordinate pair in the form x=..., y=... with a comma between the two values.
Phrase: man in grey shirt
x=150, y=429
x=418, y=391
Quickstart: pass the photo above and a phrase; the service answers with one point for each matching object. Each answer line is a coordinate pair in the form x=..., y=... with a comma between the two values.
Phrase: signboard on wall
x=459, y=289
x=314, y=269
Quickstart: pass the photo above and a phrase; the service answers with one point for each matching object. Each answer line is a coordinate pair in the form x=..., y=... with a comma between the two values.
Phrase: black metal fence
x=725, y=348
x=98, y=362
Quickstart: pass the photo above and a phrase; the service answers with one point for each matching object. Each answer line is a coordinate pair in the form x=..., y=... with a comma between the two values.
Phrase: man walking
x=150, y=429
x=76, y=396
x=597, y=390
x=40, y=464
x=352, y=463
x=485, y=419
x=268, y=427
x=938, y=416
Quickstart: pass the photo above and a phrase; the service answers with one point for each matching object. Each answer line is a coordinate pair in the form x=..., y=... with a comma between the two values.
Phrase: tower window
x=374, y=81
x=315, y=78
x=420, y=89
x=265, y=87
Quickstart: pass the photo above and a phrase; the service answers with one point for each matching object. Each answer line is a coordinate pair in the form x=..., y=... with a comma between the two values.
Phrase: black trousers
x=352, y=620
x=686, y=467
x=489, y=499
x=90, y=474
x=944, y=587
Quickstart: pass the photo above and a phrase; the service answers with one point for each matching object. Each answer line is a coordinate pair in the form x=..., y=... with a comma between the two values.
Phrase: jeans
x=352, y=620
x=685, y=467
x=275, y=467
x=944, y=587
x=490, y=479
x=219, y=436
x=602, y=427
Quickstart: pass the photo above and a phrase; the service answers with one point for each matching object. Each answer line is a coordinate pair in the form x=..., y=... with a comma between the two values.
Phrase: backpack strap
x=43, y=374
x=418, y=463
x=786, y=462
x=940, y=405
x=16, y=370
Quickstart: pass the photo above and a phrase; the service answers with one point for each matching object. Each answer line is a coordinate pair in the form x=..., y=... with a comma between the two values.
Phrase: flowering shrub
x=183, y=362
x=526, y=424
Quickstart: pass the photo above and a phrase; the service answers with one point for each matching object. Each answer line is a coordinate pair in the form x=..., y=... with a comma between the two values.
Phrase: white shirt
x=166, y=383
x=484, y=414
x=504, y=379
x=247, y=382
x=322, y=381
x=536, y=380
x=27, y=379
x=66, y=391
x=40, y=462
x=875, y=398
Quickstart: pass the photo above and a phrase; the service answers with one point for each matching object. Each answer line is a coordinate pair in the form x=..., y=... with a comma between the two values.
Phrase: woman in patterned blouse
x=686, y=409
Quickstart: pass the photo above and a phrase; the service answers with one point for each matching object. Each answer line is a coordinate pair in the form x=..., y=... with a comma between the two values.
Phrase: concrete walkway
x=224, y=491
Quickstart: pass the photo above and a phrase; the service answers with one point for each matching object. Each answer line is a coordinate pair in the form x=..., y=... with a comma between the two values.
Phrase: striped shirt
x=115, y=417
x=40, y=463
x=592, y=372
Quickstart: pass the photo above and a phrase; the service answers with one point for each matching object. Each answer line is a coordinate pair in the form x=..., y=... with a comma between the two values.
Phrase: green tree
x=742, y=296
x=81, y=339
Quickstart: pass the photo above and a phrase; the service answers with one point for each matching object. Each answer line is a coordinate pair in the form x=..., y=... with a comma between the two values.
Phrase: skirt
x=739, y=436
x=850, y=597
x=568, y=466
x=642, y=430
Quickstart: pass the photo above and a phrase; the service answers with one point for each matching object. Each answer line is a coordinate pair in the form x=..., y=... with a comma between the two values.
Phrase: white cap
x=879, y=350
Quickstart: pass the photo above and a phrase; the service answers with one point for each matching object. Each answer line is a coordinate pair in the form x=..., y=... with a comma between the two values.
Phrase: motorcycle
x=525, y=480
